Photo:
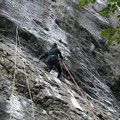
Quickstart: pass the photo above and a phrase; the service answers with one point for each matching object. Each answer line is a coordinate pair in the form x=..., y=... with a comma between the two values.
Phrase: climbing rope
x=27, y=82
x=18, y=42
x=43, y=9
x=80, y=90
x=14, y=77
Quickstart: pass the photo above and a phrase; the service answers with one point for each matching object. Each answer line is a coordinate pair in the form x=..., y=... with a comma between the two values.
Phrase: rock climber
x=53, y=59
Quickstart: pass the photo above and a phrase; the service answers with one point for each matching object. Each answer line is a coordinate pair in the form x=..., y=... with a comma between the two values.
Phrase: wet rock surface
x=76, y=31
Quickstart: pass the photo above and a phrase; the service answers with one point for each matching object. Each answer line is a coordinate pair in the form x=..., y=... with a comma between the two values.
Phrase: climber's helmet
x=54, y=45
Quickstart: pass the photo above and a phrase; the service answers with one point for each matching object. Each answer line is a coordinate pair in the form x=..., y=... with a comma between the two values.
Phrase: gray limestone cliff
x=28, y=28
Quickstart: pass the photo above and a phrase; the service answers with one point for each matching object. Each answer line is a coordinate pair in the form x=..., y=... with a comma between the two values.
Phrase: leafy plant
x=85, y=3
x=112, y=6
x=114, y=34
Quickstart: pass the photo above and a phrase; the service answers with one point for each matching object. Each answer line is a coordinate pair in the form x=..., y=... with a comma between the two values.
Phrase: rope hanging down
x=18, y=42
x=13, y=83
x=27, y=82
x=80, y=91
x=44, y=9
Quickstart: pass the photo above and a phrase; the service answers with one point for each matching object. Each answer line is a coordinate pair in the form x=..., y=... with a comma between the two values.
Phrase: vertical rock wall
x=76, y=31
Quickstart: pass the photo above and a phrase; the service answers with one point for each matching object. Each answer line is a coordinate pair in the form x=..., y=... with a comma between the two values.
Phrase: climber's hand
x=61, y=59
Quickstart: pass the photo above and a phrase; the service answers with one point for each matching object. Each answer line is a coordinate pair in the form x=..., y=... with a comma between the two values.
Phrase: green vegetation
x=85, y=3
x=112, y=6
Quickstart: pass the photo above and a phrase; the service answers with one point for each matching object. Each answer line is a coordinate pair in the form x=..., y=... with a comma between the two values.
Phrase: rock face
x=28, y=28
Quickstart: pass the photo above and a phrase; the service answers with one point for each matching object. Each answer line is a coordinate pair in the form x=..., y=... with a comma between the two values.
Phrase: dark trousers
x=54, y=62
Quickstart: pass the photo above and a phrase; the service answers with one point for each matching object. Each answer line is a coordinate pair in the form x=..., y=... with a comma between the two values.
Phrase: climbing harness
x=51, y=56
x=13, y=86
x=79, y=90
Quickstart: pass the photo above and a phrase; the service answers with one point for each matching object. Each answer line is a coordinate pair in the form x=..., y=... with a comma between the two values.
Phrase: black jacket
x=53, y=51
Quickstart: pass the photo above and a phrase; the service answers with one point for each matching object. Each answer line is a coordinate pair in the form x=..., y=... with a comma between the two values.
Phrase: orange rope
x=80, y=91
